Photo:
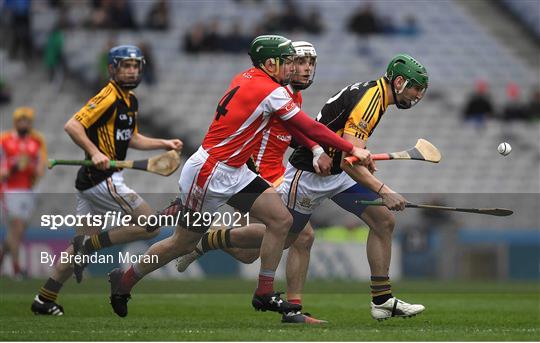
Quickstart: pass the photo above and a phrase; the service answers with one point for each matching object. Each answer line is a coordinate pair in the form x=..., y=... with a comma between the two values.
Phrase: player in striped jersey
x=268, y=162
x=217, y=173
x=105, y=128
x=354, y=113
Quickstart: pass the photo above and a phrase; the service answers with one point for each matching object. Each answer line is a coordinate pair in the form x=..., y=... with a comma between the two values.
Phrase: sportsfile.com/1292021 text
x=115, y=219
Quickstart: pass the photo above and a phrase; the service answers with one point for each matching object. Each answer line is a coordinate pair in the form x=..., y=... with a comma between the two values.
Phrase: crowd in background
x=211, y=37
x=479, y=107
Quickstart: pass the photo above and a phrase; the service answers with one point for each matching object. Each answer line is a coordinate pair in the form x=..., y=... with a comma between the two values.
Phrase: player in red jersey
x=24, y=157
x=268, y=162
x=217, y=173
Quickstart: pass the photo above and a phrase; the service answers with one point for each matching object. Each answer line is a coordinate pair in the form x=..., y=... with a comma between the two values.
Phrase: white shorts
x=207, y=184
x=19, y=203
x=111, y=194
x=304, y=191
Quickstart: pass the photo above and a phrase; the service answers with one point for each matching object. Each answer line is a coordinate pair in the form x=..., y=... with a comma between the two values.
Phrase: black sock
x=381, y=289
x=50, y=290
x=97, y=242
x=217, y=239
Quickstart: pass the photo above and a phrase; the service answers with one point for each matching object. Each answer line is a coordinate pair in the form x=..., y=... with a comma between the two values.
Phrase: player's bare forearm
x=77, y=132
x=141, y=142
x=360, y=173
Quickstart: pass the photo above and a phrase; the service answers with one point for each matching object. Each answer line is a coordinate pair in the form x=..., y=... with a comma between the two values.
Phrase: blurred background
x=483, y=58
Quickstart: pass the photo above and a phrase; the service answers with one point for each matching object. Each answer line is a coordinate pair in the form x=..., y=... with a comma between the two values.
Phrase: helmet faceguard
x=304, y=50
x=414, y=74
x=275, y=47
x=117, y=56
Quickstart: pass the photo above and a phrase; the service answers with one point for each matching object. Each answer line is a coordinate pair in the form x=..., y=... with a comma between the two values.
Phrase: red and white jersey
x=268, y=156
x=20, y=156
x=252, y=100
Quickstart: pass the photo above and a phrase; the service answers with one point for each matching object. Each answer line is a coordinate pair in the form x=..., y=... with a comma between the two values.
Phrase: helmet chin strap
x=274, y=76
x=400, y=104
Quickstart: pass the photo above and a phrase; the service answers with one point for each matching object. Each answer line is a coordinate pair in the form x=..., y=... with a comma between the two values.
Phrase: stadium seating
x=455, y=49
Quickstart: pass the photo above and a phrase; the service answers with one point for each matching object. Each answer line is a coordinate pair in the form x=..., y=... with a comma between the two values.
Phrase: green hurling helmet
x=414, y=73
x=270, y=46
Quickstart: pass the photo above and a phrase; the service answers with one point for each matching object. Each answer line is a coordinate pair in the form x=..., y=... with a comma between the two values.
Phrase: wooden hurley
x=164, y=164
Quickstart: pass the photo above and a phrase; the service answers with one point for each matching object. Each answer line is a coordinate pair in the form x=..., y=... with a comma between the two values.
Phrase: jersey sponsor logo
x=363, y=124
x=123, y=116
x=123, y=135
x=284, y=138
x=290, y=106
x=305, y=202
x=91, y=106
x=353, y=126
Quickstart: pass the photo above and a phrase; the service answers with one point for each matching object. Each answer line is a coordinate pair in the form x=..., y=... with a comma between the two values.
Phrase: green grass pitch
x=218, y=309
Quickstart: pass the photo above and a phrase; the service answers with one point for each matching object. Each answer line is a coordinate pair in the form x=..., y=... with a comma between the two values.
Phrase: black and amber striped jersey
x=110, y=120
x=355, y=110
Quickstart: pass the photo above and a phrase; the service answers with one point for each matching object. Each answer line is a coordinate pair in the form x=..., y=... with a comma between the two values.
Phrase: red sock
x=295, y=301
x=129, y=279
x=266, y=285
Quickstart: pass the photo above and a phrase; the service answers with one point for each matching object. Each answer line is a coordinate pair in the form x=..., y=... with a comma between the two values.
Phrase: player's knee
x=305, y=239
x=386, y=224
x=280, y=222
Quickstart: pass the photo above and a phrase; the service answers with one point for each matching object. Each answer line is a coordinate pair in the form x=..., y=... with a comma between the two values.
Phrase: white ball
x=504, y=149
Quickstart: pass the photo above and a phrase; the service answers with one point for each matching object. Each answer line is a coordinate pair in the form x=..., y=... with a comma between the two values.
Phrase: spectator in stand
x=18, y=12
x=5, y=93
x=387, y=26
x=533, y=109
x=213, y=40
x=54, y=50
x=313, y=22
x=364, y=21
x=290, y=19
x=271, y=22
x=235, y=42
x=121, y=16
x=149, y=75
x=513, y=110
x=194, y=39
x=158, y=17
x=411, y=26
x=479, y=106
x=100, y=17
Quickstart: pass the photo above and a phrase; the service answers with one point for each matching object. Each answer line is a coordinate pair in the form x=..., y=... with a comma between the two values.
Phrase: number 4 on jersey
x=221, y=109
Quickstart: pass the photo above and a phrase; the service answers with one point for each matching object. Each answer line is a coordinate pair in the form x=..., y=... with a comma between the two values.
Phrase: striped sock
x=266, y=282
x=381, y=290
x=96, y=242
x=50, y=290
x=217, y=239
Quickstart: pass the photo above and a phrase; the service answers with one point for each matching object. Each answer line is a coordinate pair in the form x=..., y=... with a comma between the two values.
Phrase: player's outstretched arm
x=321, y=162
x=141, y=142
x=365, y=177
x=324, y=136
